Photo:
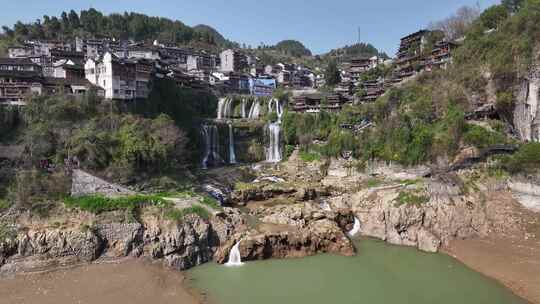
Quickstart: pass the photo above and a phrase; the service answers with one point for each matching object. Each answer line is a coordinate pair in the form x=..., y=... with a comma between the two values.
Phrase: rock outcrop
x=527, y=109
x=291, y=231
x=526, y=193
x=179, y=245
x=447, y=214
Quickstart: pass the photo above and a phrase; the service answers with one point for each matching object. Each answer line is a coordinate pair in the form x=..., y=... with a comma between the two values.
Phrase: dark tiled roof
x=15, y=61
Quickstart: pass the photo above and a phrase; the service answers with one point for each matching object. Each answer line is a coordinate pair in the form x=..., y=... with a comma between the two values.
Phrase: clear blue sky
x=320, y=24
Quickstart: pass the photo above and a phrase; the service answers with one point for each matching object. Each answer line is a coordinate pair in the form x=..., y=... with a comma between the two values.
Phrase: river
x=380, y=273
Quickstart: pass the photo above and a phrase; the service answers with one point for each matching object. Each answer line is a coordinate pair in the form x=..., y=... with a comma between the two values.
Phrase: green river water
x=380, y=273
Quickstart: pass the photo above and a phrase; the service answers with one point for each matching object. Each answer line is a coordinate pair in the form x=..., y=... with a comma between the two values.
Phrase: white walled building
x=117, y=77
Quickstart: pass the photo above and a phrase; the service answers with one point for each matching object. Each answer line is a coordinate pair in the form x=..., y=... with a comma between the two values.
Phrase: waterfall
x=224, y=108
x=211, y=145
x=234, y=256
x=273, y=151
x=220, y=107
x=232, y=155
x=255, y=109
x=244, y=114
x=355, y=229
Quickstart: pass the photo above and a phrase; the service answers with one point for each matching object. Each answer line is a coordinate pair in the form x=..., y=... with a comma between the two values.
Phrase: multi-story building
x=441, y=55
x=19, y=78
x=68, y=69
x=372, y=90
x=233, y=61
x=314, y=103
x=138, y=52
x=410, y=54
x=94, y=48
x=118, y=77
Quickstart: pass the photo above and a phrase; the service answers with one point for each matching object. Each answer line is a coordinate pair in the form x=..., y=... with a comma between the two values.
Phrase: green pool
x=380, y=273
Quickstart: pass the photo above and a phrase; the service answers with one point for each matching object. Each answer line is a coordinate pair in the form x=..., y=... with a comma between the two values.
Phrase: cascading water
x=220, y=107
x=255, y=109
x=273, y=151
x=279, y=110
x=224, y=108
x=232, y=155
x=235, y=259
x=356, y=228
x=211, y=145
x=244, y=114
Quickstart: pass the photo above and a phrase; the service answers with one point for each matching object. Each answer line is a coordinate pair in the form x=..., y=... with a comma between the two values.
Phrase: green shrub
x=482, y=138
x=4, y=204
x=6, y=232
x=99, y=204
x=373, y=182
x=408, y=198
x=310, y=156
x=210, y=202
x=178, y=215
x=526, y=159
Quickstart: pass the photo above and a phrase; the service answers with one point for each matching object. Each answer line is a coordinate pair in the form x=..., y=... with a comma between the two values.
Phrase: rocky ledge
x=431, y=215
x=179, y=245
x=291, y=231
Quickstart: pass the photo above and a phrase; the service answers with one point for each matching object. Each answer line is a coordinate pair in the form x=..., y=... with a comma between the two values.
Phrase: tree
x=457, y=25
x=333, y=76
x=493, y=16
x=512, y=5
x=74, y=21
x=292, y=48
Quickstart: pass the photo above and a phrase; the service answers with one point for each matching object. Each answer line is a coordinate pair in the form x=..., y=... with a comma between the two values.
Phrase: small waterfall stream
x=273, y=151
x=356, y=228
x=211, y=145
x=255, y=109
x=235, y=258
x=244, y=104
x=232, y=154
x=224, y=109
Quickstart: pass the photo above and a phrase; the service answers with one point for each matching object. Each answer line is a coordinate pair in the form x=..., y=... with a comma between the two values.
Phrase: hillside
x=292, y=48
x=349, y=52
x=215, y=36
x=436, y=116
x=92, y=23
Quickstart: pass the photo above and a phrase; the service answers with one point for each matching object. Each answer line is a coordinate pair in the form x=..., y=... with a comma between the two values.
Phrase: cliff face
x=447, y=215
x=527, y=109
x=179, y=245
x=290, y=231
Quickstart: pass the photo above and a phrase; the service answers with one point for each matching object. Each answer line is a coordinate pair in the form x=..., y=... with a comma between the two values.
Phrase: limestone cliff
x=527, y=109
x=180, y=245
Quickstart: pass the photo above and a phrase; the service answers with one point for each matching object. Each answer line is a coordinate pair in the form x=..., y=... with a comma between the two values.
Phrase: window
x=104, y=82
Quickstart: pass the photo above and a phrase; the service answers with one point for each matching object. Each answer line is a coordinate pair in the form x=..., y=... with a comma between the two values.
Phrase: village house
x=136, y=51
x=19, y=77
x=122, y=79
x=372, y=90
x=315, y=103
x=441, y=55
x=233, y=61
x=409, y=57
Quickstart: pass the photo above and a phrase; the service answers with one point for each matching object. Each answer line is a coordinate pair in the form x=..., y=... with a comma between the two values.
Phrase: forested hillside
x=93, y=23
x=430, y=118
x=349, y=52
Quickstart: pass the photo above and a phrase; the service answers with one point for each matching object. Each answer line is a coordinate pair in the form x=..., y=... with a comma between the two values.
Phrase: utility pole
x=359, y=36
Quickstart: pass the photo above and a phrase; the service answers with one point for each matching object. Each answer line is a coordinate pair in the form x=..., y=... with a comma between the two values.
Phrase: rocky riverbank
x=76, y=237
